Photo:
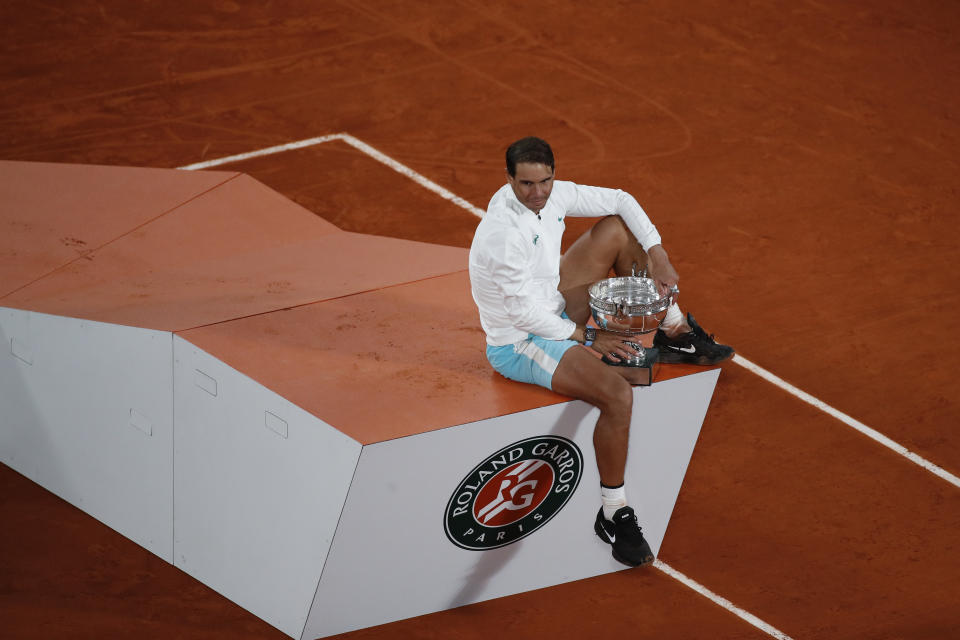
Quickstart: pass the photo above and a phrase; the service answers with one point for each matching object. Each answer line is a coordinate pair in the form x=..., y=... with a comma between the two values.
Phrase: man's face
x=532, y=185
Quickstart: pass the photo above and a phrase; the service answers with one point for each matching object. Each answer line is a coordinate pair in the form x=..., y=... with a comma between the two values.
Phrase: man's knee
x=612, y=230
x=616, y=395
x=583, y=376
x=613, y=234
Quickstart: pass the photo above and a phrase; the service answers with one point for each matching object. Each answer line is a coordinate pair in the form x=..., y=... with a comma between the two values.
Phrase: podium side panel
x=666, y=423
x=259, y=485
x=87, y=413
x=393, y=557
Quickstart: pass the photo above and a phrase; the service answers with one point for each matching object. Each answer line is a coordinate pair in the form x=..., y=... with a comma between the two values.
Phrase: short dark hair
x=530, y=149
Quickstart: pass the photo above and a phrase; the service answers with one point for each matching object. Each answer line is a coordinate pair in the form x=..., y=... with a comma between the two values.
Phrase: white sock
x=613, y=498
x=673, y=322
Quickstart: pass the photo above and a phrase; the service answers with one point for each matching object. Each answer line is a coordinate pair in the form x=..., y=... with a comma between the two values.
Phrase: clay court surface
x=799, y=158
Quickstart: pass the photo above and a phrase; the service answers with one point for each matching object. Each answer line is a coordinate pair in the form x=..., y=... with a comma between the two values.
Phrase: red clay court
x=799, y=159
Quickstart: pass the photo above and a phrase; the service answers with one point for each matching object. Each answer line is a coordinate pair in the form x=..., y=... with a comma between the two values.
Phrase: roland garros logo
x=513, y=493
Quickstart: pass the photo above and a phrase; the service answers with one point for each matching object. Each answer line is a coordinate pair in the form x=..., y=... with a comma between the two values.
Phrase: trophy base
x=638, y=370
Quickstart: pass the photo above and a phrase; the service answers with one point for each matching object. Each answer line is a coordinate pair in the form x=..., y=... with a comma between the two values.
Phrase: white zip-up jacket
x=515, y=258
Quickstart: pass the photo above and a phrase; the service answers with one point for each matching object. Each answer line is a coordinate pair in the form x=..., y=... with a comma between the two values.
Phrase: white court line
x=402, y=169
x=269, y=151
x=847, y=420
x=423, y=181
x=743, y=362
x=723, y=602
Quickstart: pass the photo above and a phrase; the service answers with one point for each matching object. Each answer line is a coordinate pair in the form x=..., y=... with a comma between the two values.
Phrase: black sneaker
x=695, y=347
x=624, y=535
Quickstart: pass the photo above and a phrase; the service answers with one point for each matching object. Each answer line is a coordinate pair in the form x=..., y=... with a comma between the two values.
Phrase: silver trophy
x=631, y=306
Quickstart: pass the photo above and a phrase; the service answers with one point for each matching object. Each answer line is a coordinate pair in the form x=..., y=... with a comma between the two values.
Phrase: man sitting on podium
x=534, y=308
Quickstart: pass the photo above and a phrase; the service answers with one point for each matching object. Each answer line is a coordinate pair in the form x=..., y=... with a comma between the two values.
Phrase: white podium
x=258, y=411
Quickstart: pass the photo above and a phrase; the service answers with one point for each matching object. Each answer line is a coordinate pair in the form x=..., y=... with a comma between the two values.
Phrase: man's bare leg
x=607, y=245
x=583, y=376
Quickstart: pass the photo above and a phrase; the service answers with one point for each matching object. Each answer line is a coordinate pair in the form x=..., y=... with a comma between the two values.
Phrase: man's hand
x=607, y=343
x=660, y=270
x=613, y=346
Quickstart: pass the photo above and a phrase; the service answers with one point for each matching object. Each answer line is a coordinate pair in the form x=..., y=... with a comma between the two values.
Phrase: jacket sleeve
x=586, y=201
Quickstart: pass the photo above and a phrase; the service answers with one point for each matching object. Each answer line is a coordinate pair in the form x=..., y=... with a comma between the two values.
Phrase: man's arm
x=582, y=200
x=660, y=270
x=602, y=201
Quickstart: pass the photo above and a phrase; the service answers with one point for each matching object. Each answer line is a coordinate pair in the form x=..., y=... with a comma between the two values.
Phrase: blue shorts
x=532, y=360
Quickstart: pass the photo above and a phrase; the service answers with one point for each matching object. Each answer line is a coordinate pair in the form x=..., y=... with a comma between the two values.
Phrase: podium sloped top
x=379, y=337
x=238, y=250
x=379, y=365
x=50, y=213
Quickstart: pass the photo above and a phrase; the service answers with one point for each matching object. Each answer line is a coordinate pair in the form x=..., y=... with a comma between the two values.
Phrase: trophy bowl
x=629, y=305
